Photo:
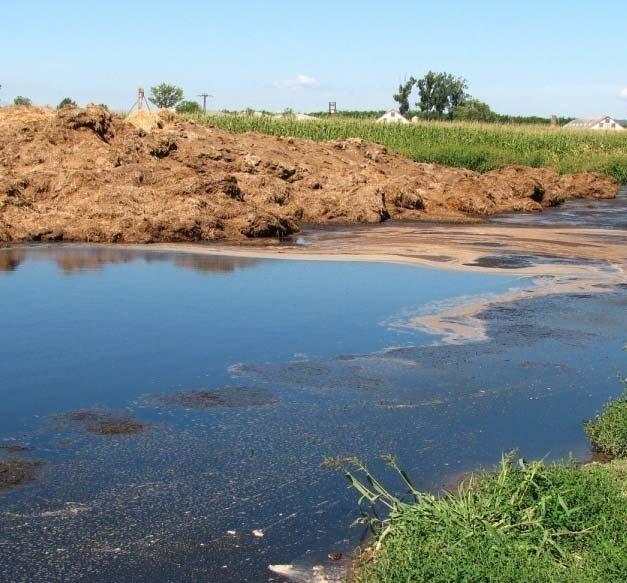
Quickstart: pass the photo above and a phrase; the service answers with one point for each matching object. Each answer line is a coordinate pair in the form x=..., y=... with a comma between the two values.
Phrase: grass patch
x=527, y=522
x=477, y=146
x=608, y=430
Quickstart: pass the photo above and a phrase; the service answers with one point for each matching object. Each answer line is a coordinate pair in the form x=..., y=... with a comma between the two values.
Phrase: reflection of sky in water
x=103, y=328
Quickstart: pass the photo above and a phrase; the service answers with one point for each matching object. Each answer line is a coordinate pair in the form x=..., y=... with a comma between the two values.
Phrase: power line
x=204, y=101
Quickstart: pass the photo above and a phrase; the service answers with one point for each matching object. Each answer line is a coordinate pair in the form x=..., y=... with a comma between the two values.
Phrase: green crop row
x=477, y=146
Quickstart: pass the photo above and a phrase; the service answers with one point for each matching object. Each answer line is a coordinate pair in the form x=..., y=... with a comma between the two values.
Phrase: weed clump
x=524, y=522
x=608, y=430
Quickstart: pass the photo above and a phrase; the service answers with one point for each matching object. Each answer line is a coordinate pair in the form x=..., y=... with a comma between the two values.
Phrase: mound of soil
x=83, y=174
x=104, y=422
x=15, y=473
x=225, y=397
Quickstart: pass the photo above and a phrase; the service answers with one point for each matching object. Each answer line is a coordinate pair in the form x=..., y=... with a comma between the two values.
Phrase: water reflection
x=10, y=259
x=72, y=260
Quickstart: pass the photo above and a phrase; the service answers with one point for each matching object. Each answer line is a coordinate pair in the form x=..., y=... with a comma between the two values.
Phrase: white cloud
x=299, y=82
x=623, y=93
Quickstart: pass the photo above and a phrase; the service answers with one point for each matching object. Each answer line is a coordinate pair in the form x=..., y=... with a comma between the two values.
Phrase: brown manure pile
x=83, y=174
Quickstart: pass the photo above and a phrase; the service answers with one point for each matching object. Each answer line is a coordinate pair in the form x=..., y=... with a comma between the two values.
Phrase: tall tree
x=166, y=95
x=440, y=93
x=429, y=98
x=456, y=88
x=402, y=97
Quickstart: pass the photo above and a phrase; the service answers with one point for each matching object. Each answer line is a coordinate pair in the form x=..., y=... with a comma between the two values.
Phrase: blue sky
x=556, y=56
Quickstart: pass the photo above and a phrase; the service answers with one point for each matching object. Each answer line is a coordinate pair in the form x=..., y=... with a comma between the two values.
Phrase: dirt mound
x=85, y=174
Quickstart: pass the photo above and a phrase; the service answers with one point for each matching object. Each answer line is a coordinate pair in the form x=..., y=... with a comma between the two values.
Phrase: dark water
x=604, y=214
x=297, y=364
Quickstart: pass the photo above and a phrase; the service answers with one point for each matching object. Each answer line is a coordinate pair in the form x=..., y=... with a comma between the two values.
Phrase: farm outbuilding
x=599, y=122
x=392, y=116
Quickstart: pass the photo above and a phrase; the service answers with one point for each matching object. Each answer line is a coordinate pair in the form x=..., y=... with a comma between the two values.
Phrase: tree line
x=164, y=95
x=445, y=96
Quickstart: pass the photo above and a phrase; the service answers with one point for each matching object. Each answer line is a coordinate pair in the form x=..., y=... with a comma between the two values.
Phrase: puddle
x=122, y=339
x=602, y=214
x=520, y=261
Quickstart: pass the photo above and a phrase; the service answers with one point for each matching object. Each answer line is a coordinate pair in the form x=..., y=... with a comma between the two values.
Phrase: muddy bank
x=85, y=175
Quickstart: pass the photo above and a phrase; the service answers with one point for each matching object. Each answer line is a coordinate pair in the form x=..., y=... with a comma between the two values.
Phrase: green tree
x=441, y=93
x=402, y=97
x=166, y=95
x=66, y=102
x=188, y=107
x=474, y=110
x=20, y=100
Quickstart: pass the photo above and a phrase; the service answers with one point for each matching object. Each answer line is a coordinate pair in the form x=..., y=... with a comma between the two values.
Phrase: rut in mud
x=87, y=175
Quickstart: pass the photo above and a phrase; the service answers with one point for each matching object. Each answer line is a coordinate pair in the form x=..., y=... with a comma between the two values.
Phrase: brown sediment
x=86, y=175
x=15, y=472
x=15, y=447
x=103, y=422
x=226, y=397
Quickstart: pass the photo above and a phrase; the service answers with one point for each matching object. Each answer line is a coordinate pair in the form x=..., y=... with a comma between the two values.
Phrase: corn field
x=477, y=146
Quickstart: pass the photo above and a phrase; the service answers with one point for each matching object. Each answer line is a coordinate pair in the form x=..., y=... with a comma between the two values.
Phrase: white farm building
x=392, y=116
x=599, y=122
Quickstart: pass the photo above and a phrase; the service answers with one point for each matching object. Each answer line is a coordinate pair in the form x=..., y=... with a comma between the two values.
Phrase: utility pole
x=204, y=101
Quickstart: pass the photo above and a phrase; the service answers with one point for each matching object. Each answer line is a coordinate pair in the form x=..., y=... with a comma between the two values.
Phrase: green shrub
x=188, y=107
x=20, y=100
x=528, y=522
x=608, y=430
x=66, y=102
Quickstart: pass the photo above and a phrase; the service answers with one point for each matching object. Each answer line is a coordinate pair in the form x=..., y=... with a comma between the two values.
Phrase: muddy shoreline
x=564, y=260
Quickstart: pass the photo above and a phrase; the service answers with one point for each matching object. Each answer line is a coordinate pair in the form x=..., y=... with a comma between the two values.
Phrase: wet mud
x=101, y=422
x=226, y=397
x=521, y=261
x=15, y=447
x=16, y=472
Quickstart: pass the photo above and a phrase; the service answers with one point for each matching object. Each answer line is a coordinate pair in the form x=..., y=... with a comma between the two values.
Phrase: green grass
x=608, y=430
x=476, y=146
x=525, y=522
